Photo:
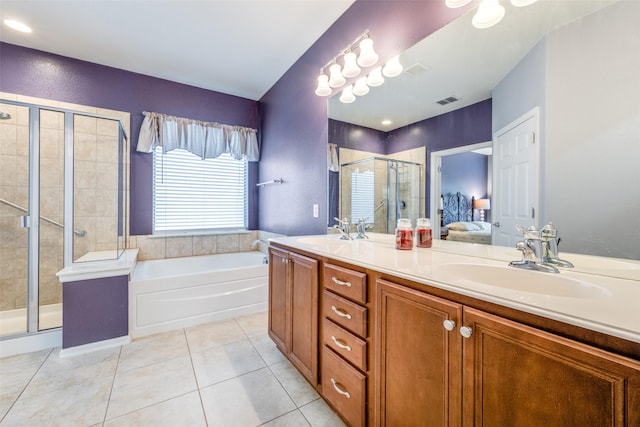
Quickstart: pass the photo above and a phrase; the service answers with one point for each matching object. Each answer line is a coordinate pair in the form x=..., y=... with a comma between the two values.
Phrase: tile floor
x=226, y=373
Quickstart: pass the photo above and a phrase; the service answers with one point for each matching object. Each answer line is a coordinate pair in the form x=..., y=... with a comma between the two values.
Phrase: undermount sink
x=533, y=282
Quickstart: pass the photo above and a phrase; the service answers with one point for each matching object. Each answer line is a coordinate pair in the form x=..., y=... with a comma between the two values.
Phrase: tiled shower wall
x=95, y=178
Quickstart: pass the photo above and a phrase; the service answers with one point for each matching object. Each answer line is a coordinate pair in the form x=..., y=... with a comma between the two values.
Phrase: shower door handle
x=25, y=221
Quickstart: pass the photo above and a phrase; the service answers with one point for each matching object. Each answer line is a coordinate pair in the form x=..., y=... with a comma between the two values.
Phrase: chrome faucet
x=532, y=251
x=550, y=241
x=343, y=227
x=361, y=228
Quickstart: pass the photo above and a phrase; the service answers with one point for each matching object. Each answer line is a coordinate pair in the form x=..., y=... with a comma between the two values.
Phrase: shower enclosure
x=62, y=201
x=381, y=191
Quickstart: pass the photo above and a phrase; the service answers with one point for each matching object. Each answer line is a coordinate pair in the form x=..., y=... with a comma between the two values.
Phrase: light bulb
x=350, y=68
x=393, y=67
x=347, y=96
x=456, y=3
x=336, y=79
x=360, y=88
x=375, y=77
x=323, y=88
x=368, y=56
x=17, y=25
x=489, y=13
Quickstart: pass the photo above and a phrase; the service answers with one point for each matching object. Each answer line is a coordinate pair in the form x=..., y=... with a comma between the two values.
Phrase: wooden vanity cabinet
x=503, y=374
x=293, y=309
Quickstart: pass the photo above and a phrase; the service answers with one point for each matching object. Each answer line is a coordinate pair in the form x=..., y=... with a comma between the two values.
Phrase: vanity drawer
x=344, y=387
x=347, y=345
x=348, y=283
x=345, y=313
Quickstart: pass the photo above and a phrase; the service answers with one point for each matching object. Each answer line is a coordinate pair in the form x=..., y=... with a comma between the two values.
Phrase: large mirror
x=575, y=64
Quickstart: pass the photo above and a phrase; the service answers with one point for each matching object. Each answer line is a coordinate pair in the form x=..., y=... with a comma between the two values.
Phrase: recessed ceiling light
x=17, y=25
x=386, y=122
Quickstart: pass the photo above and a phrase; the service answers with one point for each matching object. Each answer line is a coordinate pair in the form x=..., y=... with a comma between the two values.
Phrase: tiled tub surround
x=222, y=373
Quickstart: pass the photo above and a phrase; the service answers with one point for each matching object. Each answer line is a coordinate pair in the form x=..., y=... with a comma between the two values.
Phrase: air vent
x=447, y=100
x=417, y=68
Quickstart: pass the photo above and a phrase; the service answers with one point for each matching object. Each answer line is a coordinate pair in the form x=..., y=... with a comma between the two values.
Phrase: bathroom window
x=362, y=197
x=190, y=193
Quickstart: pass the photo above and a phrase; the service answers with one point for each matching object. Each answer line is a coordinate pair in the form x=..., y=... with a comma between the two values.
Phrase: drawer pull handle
x=340, y=282
x=339, y=390
x=340, y=312
x=340, y=344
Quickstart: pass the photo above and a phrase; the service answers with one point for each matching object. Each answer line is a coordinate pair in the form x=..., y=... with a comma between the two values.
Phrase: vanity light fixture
x=351, y=69
x=489, y=12
x=17, y=25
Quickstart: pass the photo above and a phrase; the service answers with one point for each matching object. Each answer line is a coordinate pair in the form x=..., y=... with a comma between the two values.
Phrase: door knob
x=497, y=224
x=466, y=331
x=449, y=325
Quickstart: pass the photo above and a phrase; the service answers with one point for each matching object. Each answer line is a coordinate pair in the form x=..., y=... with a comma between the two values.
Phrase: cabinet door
x=519, y=376
x=303, y=350
x=278, y=297
x=418, y=364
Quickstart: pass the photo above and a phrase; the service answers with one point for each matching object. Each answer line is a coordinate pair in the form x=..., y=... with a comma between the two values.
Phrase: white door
x=515, y=192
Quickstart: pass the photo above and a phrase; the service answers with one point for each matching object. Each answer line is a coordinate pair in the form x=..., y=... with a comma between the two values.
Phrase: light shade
x=456, y=3
x=368, y=56
x=522, y=3
x=323, y=88
x=489, y=13
x=375, y=77
x=483, y=204
x=393, y=67
x=336, y=79
x=360, y=88
x=350, y=68
x=347, y=96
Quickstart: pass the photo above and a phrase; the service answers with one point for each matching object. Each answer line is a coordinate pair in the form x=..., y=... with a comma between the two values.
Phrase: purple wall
x=347, y=135
x=44, y=75
x=95, y=310
x=294, y=120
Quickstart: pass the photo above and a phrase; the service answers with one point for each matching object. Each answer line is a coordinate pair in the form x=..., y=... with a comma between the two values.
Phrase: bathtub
x=176, y=293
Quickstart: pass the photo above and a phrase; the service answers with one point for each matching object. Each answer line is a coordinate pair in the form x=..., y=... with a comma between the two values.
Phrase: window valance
x=204, y=139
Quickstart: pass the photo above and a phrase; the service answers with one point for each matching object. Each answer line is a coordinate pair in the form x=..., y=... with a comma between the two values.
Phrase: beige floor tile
x=268, y=350
x=8, y=364
x=254, y=325
x=151, y=384
x=152, y=349
x=58, y=373
x=184, y=410
x=248, y=400
x=292, y=419
x=319, y=414
x=298, y=388
x=213, y=334
x=222, y=363
x=78, y=405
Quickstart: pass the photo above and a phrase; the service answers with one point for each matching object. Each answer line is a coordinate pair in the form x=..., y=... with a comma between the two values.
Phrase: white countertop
x=100, y=264
x=610, y=305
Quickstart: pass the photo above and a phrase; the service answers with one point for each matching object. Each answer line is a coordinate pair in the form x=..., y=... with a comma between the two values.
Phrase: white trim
x=94, y=346
x=31, y=342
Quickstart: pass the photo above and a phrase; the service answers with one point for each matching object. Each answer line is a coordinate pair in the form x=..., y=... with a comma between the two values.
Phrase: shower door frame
x=33, y=208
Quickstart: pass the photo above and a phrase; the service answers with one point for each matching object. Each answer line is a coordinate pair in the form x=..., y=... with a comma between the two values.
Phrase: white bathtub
x=176, y=293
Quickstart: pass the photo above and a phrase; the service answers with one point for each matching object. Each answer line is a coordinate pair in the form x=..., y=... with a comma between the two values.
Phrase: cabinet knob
x=339, y=389
x=340, y=282
x=449, y=325
x=466, y=331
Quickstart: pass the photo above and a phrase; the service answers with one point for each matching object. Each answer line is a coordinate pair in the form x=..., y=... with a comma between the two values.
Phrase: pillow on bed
x=486, y=226
x=463, y=226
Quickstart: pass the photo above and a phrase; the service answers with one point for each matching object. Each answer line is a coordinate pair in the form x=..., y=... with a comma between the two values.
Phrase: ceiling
x=461, y=61
x=238, y=47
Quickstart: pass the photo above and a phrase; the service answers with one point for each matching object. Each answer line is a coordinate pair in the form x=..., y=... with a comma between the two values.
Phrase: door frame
x=435, y=179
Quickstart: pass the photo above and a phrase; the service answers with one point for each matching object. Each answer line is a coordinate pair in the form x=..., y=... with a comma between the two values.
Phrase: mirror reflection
x=558, y=77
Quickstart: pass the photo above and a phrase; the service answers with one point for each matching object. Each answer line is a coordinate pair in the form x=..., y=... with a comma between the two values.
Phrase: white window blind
x=190, y=193
x=361, y=195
